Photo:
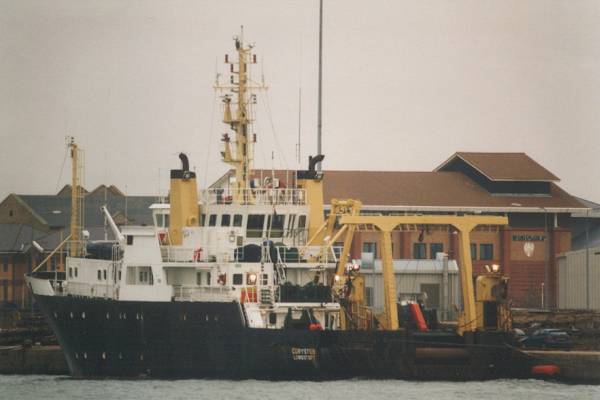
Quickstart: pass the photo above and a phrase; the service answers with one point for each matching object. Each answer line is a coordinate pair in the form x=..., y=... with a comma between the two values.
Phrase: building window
x=264, y=279
x=11, y=213
x=202, y=219
x=237, y=220
x=435, y=248
x=70, y=272
x=370, y=247
x=254, y=227
x=486, y=251
x=473, y=251
x=419, y=251
x=212, y=220
x=198, y=278
x=238, y=279
x=225, y=220
x=5, y=264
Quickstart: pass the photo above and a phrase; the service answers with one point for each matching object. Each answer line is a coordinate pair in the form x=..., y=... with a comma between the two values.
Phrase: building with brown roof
x=540, y=214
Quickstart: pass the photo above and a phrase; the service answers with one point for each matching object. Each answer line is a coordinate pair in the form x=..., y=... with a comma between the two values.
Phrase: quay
x=573, y=366
x=44, y=360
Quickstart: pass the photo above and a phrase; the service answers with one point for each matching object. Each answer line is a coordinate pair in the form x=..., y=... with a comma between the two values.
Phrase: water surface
x=42, y=387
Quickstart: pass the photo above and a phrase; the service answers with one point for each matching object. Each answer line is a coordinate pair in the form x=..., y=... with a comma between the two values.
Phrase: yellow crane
x=491, y=288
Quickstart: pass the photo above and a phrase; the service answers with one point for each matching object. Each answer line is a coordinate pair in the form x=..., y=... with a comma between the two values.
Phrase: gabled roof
x=502, y=166
x=66, y=191
x=112, y=189
x=447, y=190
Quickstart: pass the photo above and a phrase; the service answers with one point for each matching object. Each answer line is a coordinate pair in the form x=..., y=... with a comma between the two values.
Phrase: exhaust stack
x=183, y=198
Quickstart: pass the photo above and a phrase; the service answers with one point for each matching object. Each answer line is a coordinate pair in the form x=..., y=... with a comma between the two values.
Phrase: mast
x=240, y=94
x=320, y=106
x=76, y=198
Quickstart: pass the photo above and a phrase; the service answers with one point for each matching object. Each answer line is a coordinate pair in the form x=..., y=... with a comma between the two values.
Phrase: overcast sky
x=406, y=84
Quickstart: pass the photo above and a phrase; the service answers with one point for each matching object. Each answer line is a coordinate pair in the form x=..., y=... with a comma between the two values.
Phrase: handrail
x=268, y=196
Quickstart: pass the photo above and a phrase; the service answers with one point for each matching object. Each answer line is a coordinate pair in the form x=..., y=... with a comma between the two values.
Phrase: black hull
x=205, y=339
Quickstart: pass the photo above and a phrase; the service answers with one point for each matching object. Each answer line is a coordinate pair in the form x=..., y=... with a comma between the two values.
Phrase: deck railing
x=268, y=196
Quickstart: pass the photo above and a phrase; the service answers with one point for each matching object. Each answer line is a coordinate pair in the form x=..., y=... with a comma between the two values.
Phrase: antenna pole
x=299, y=149
x=320, y=106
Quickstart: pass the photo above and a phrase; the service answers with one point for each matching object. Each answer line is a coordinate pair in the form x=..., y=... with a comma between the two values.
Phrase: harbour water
x=26, y=387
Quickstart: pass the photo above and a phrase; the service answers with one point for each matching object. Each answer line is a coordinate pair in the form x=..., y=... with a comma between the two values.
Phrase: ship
x=246, y=282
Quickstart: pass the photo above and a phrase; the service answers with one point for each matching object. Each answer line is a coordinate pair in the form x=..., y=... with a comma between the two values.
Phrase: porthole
x=137, y=315
x=85, y=355
x=120, y=356
x=124, y=315
x=71, y=314
x=141, y=357
x=206, y=317
x=107, y=315
x=76, y=356
x=216, y=317
x=83, y=315
x=184, y=317
x=142, y=317
x=55, y=314
x=103, y=355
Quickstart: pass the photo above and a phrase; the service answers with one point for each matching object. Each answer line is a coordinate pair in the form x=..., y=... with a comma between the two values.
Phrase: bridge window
x=276, y=225
x=225, y=220
x=254, y=227
x=212, y=220
x=129, y=240
x=99, y=275
x=237, y=220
